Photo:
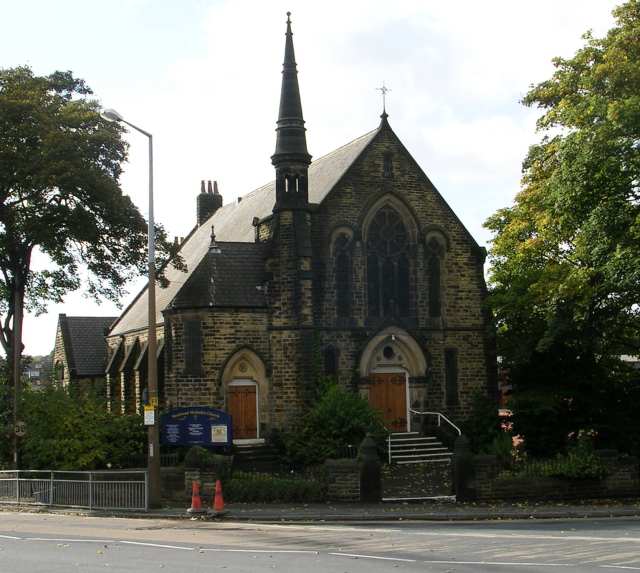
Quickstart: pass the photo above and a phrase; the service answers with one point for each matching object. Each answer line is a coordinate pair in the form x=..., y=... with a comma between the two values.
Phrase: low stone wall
x=622, y=480
x=343, y=480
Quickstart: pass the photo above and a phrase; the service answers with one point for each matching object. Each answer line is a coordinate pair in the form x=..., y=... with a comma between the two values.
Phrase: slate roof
x=84, y=343
x=233, y=224
x=229, y=275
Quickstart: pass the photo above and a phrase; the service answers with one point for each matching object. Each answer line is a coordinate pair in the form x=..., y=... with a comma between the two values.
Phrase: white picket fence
x=125, y=489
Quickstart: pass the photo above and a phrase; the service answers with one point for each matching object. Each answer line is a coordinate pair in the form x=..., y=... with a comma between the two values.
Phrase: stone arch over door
x=392, y=376
x=244, y=378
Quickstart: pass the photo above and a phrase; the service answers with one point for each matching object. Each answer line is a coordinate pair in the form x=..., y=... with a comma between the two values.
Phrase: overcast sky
x=204, y=77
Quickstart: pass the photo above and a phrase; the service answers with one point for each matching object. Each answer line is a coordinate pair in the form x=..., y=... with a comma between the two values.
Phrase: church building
x=353, y=261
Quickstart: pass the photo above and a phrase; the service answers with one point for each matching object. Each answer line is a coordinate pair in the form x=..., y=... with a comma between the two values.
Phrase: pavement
x=432, y=510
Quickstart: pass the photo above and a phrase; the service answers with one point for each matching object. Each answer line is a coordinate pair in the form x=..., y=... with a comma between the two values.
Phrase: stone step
x=422, y=455
x=433, y=461
x=414, y=439
x=416, y=450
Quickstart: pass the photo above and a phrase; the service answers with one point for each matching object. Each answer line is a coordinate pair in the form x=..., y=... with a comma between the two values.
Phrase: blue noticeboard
x=196, y=426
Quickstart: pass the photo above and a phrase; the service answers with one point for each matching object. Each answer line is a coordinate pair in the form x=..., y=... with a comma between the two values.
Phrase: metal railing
x=440, y=416
x=91, y=490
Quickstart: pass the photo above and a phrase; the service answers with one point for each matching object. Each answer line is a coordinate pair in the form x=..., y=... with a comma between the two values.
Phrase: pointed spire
x=215, y=188
x=209, y=189
x=202, y=186
x=291, y=143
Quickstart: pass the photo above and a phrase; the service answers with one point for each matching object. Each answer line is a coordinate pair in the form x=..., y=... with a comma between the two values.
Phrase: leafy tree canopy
x=60, y=163
x=565, y=260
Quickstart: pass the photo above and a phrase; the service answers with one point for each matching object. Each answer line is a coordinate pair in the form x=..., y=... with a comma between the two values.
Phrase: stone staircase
x=257, y=457
x=413, y=448
x=419, y=467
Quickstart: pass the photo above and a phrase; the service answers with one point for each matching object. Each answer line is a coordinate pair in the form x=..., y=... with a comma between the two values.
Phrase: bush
x=580, y=462
x=205, y=460
x=67, y=433
x=338, y=419
x=263, y=488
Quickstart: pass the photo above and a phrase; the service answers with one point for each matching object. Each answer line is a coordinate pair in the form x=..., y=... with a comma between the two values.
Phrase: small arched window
x=388, y=267
x=434, y=256
x=342, y=256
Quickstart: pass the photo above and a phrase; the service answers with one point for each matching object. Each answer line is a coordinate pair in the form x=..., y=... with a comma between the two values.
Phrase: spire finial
x=288, y=17
x=215, y=188
x=202, y=186
x=209, y=190
x=384, y=90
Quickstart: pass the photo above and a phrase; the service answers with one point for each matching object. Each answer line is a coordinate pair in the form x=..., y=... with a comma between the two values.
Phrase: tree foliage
x=565, y=260
x=60, y=164
x=338, y=419
x=68, y=432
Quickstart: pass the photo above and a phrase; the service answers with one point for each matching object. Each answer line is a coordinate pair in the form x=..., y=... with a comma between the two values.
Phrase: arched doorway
x=242, y=404
x=246, y=394
x=388, y=362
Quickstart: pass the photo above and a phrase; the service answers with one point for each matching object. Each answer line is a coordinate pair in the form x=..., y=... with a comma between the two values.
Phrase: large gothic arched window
x=388, y=267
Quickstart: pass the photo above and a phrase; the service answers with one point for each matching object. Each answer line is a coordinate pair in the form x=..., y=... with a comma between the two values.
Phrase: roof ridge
x=346, y=144
x=329, y=153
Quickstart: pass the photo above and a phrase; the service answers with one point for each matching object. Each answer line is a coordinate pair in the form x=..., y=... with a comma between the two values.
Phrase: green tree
x=565, y=260
x=59, y=194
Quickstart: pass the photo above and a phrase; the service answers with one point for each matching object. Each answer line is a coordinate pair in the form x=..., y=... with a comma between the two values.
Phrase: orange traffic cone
x=218, y=501
x=196, y=502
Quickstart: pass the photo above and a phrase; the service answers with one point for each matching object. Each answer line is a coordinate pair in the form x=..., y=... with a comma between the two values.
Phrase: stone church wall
x=462, y=323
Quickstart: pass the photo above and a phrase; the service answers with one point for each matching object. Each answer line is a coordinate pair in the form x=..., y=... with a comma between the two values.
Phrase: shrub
x=67, y=433
x=580, y=462
x=338, y=419
x=205, y=460
x=244, y=487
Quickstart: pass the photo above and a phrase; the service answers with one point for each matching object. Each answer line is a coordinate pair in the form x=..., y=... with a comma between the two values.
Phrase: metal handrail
x=440, y=416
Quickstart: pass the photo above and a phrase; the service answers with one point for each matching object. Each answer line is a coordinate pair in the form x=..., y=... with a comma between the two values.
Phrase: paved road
x=31, y=543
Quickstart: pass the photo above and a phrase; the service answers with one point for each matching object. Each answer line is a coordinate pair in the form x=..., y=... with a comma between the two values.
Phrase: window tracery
x=388, y=266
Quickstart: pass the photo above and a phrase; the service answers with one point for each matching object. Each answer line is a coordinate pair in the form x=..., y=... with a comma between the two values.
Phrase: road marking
x=259, y=550
x=357, y=555
x=67, y=540
x=471, y=534
x=157, y=545
x=9, y=537
x=507, y=563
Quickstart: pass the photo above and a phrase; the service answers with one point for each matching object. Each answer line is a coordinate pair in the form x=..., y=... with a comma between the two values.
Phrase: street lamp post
x=153, y=460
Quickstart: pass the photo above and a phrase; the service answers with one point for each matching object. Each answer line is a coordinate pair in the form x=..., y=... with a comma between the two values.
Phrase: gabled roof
x=84, y=343
x=233, y=223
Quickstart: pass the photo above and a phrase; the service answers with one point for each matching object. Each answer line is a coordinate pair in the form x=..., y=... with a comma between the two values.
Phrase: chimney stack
x=209, y=201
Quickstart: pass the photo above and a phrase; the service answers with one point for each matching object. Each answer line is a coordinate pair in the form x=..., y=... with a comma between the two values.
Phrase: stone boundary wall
x=343, y=480
x=622, y=480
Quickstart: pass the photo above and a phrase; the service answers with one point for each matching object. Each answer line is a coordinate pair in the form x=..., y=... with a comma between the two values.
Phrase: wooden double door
x=388, y=395
x=242, y=405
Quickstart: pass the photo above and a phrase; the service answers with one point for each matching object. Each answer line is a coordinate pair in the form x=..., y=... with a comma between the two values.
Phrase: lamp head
x=111, y=115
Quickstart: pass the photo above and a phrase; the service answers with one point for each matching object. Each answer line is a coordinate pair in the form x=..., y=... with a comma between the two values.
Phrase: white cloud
x=456, y=70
